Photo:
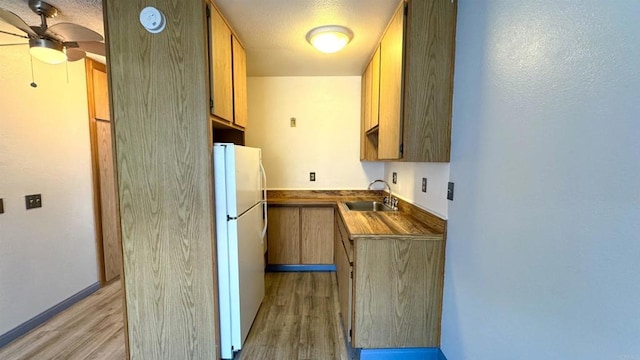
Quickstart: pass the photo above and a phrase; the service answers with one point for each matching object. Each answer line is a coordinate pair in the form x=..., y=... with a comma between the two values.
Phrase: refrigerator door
x=247, y=279
x=240, y=278
x=240, y=225
x=244, y=178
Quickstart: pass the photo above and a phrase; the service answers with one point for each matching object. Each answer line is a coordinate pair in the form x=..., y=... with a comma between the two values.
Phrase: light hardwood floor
x=299, y=319
x=91, y=329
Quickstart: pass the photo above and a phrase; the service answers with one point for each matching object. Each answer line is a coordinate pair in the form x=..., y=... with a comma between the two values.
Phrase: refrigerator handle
x=264, y=199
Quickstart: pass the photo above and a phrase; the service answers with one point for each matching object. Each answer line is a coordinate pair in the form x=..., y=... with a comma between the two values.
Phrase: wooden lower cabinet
x=283, y=235
x=300, y=235
x=316, y=246
x=394, y=299
x=344, y=273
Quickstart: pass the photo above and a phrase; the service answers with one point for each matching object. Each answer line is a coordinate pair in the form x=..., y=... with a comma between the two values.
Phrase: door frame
x=91, y=65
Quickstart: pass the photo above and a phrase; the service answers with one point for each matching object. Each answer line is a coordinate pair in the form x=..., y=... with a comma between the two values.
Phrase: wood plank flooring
x=90, y=329
x=299, y=319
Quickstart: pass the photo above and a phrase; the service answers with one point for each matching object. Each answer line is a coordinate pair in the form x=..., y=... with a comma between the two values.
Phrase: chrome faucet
x=390, y=201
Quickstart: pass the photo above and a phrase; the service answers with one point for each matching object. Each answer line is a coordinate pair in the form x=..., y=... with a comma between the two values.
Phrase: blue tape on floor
x=300, y=268
x=402, y=354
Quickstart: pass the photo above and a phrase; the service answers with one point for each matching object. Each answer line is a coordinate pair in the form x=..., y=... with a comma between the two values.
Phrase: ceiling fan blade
x=75, y=54
x=73, y=32
x=93, y=47
x=16, y=21
x=14, y=44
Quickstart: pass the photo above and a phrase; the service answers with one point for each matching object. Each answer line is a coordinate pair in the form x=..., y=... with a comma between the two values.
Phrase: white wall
x=46, y=254
x=544, y=232
x=325, y=140
x=409, y=185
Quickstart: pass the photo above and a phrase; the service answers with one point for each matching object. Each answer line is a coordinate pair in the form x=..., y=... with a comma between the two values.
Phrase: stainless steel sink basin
x=367, y=206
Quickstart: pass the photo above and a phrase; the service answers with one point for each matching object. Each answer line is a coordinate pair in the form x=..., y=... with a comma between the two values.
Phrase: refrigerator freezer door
x=244, y=178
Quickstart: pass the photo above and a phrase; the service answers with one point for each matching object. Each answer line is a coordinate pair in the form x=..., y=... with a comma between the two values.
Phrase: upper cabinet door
x=429, y=65
x=239, y=84
x=366, y=98
x=370, y=105
x=390, y=121
x=100, y=95
x=221, y=68
x=375, y=89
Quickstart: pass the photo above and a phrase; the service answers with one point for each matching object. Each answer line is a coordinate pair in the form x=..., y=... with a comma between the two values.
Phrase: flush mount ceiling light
x=329, y=38
x=47, y=51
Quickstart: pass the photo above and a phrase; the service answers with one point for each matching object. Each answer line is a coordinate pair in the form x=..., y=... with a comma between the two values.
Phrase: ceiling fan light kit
x=47, y=51
x=57, y=43
x=329, y=38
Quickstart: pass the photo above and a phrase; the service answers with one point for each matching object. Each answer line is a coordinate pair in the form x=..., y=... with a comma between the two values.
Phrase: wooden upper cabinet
x=221, y=81
x=375, y=89
x=100, y=95
x=390, y=121
x=415, y=86
x=370, y=105
x=366, y=98
x=371, y=92
x=228, y=75
x=239, y=84
x=429, y=65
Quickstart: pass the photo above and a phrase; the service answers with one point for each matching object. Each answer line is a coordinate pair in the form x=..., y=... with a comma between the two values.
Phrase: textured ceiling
x=272, y=31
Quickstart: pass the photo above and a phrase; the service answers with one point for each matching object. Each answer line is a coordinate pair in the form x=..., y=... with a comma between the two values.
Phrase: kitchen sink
x=367, y=206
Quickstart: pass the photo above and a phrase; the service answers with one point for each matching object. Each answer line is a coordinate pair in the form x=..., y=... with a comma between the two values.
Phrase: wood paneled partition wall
x=159, y=103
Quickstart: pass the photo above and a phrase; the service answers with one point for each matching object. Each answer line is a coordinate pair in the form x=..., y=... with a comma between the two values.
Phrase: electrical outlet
x=450, y=191
x=394, y=178
x=424, y=185
x=312, y=176
x=293, y=122
x=1, y=206
x=33, y=201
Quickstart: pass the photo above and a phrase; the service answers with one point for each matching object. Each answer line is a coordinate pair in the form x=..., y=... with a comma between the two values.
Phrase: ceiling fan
x=56, y=43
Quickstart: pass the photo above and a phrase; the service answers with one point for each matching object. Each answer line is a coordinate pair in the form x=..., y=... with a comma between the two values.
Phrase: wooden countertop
x=410, y=222
x=320, y=197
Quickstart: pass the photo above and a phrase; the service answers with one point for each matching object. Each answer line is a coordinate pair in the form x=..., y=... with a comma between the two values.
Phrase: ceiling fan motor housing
x=43, y=8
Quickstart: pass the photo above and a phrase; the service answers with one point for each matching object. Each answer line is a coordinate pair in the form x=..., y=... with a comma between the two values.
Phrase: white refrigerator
x=241, y=224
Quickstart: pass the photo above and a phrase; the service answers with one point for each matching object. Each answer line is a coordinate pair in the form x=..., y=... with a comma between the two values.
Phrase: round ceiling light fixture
x=329, y=38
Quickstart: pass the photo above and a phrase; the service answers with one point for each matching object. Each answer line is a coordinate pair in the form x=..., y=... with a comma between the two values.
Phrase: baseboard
x=39, y=319
x=402, y=354
x=300, y=268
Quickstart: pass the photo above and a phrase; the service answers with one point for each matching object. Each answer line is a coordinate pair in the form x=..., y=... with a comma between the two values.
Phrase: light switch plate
x=450, y=191
x=1, y=206
x=312, y=176
x=424, y=185
x=394, y=178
